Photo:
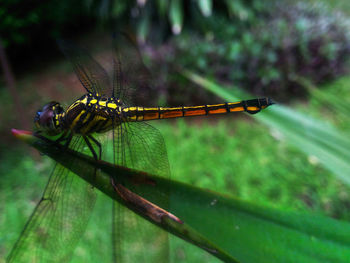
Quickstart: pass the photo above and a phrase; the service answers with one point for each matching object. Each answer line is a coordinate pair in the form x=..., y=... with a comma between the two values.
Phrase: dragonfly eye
x=44, y=118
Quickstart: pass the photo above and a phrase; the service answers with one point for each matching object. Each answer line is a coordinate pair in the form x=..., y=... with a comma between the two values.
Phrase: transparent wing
x=139, y=146
x=137, y=240
x=91, y=74
x=59, y=220
x=132, y=81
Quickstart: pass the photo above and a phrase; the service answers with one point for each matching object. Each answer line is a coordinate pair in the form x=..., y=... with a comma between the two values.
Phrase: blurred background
x=292, y=156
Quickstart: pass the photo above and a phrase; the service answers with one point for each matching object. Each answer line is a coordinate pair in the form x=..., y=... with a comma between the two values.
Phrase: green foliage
x=173, y=13
x=314, y=137
x=332, y=102
x=262, y=54
x=13, y=24
x=242, y=159
x=19, y=194
x=234, y=156
x=21, y=22
x=230, y=225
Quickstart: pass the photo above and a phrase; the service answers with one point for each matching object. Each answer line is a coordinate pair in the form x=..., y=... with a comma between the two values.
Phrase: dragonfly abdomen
x=144, y=114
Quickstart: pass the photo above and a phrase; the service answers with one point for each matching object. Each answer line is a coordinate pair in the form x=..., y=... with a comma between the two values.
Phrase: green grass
x=22, y=182
x=242, y=158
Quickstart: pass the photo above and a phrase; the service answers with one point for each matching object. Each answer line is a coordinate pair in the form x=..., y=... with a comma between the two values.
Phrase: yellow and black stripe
x=145, y=114
x=91, y=114
x=95, y=114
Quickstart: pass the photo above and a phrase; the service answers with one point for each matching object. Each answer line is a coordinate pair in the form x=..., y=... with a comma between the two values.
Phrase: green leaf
x=226, y=227
x=143, y=27
x=236, y=8
x=314, y=137
x=176, y=16
x=151, y=188
x=206, y=7
x=330, y=101
x=162, y=7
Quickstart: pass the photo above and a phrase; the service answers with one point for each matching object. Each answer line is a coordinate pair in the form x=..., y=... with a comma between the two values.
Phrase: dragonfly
x=104, y=113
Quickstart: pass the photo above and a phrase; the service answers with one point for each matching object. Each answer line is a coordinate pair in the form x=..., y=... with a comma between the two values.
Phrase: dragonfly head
x=47, y=118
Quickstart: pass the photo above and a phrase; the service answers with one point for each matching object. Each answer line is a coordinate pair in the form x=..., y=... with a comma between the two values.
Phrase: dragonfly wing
x=132, y=81
x=139, y=146
x=137, y=240
x=58, y=221
x=91, y=74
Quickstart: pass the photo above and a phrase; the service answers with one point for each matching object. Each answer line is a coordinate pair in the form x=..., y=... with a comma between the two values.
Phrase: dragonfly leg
x=68, y=139
x=98, y=145
x=88, y=143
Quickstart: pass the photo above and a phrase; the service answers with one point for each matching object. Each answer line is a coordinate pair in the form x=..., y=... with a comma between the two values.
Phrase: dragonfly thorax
x=92, y=113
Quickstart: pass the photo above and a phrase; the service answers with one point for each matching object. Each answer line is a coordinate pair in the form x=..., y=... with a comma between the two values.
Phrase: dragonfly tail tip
x=270, y=101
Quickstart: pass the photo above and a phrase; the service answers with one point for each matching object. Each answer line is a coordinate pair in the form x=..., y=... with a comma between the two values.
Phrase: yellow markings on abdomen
x=194, y=111
x=217, y=109
x=150, y=114
x=236, y=109
x=141, y=114
x=166, y=113
x=253, y=108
